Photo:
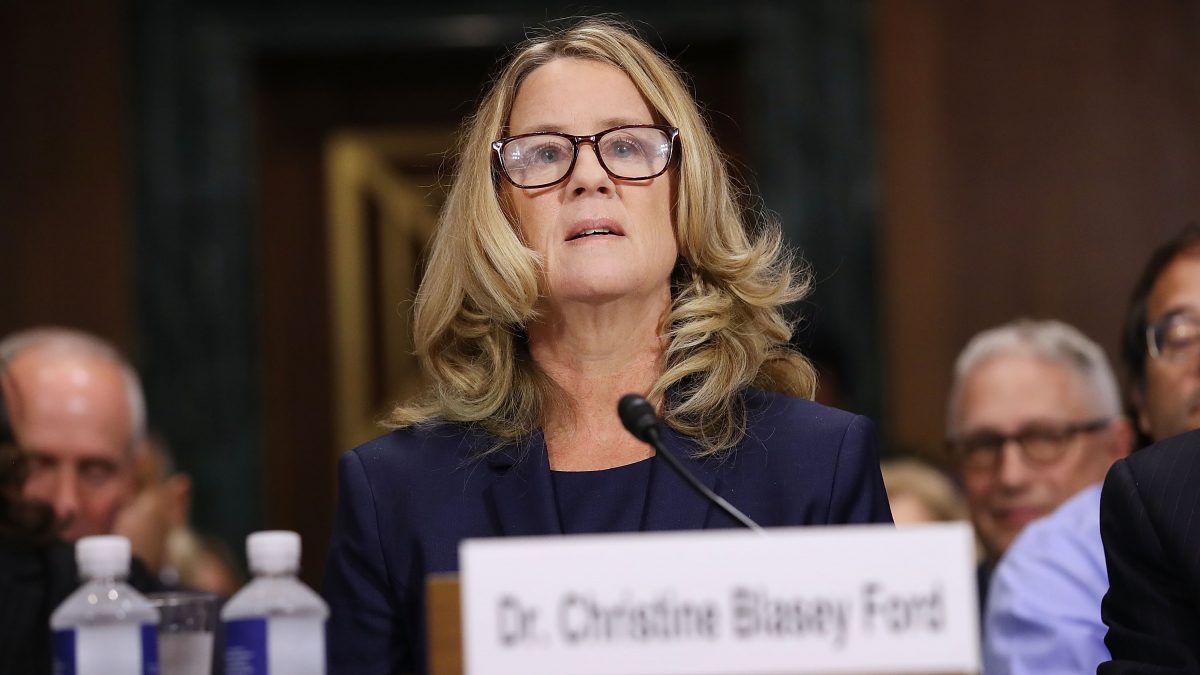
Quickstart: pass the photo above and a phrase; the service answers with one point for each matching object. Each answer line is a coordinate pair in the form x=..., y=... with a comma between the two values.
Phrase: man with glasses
x=1161, y=340
x=1150, y=508
x=1034, y=422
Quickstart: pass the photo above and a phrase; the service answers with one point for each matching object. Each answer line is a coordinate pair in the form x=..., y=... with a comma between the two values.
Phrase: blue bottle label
x=64, y=652
x=119, y=647
x=149, y=649
x=246, y=647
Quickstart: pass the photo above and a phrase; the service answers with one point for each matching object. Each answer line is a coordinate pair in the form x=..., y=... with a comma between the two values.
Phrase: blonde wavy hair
x=726, y=329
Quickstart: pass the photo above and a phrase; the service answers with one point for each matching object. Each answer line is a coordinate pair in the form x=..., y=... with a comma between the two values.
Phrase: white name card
x=865, y=599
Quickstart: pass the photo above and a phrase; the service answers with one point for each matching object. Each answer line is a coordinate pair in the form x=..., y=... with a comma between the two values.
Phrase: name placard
x=864, y=599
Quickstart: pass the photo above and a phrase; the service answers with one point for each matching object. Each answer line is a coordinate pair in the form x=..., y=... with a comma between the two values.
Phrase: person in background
x=204, y=563
x=71, y=416
x=1035, y=423
x=1033, y=418
x=36, y=571
x=919, y=493
x=160, y=504
x=1158, y=343
x=156, y=522
x=1150, y=505
x=592, y=245
x=80, y=419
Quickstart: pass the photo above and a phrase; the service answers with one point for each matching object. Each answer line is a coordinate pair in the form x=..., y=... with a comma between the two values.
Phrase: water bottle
x=275, y=625
x=105, y=627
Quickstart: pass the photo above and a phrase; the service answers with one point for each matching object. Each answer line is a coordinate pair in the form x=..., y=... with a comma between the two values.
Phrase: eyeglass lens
x=631, y=153
x=1175, y=337
x=1039, y=445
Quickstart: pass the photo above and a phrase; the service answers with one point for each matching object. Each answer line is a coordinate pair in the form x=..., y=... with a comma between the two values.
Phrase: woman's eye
x=548, y=154
x=623, y=149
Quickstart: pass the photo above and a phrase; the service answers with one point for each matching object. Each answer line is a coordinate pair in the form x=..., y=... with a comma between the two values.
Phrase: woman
x=590, y=246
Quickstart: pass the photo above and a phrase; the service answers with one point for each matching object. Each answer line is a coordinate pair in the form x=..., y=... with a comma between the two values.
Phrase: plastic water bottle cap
x=273, y=552
x=102, y=556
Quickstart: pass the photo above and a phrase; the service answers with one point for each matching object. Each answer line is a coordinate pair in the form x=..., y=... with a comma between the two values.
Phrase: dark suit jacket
x=34, y=580
x=408, y=498
x=1150, y=524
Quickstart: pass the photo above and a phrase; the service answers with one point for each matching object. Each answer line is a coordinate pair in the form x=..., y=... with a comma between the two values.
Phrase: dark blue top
x=407, y=499
x=608, y=500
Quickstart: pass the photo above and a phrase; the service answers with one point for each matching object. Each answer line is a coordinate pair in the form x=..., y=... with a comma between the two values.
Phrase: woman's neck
x=596, y=354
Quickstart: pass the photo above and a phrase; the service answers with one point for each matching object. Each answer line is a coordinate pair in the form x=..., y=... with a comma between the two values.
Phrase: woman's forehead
x=577, y=96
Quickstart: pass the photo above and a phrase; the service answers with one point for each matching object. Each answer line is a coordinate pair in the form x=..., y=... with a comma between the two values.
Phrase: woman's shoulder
x=819, y=462
x=430, y=445
x=791, y=429
x=773, y=411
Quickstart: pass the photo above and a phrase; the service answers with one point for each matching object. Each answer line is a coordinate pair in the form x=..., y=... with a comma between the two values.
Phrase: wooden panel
x=304, y=102
x=1032, y=155
x=65, y=237
x=915, y=234
x=443, y=616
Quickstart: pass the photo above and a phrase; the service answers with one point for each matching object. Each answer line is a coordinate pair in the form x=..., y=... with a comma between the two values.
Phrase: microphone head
x=639, y=417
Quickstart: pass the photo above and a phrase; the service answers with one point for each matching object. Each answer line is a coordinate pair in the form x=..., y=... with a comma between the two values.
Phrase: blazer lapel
x=672, y=504
x=522, y=495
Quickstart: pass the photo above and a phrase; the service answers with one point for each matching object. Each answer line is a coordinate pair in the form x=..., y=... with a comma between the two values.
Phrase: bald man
x=78, y=414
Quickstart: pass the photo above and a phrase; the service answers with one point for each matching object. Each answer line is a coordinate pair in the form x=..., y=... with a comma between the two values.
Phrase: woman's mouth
x=594, y=227
x=593, y=232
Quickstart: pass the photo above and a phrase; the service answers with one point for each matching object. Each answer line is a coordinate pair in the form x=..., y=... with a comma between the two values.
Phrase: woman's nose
x=589, y=174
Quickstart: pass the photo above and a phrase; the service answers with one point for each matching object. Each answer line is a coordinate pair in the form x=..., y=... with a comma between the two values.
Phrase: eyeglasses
x=1040, y=445
x=1175, y=337
x=629, y=152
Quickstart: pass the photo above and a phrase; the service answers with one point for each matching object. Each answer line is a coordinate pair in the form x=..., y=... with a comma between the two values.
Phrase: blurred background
x=237, y=193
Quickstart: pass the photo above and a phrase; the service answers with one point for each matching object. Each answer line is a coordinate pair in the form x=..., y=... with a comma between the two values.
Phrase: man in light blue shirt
x=1043, y=613
x=1039, y=424
x=1033, y=418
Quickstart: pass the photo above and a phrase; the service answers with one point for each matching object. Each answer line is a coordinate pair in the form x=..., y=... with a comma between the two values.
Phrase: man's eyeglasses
x=1175, y=337
x=630, y=152
x=1040, y=445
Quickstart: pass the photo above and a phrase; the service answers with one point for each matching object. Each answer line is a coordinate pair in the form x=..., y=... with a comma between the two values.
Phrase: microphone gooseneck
x=639, y=419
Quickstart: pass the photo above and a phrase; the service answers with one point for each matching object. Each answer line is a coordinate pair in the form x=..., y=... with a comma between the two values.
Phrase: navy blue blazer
x=408, y=498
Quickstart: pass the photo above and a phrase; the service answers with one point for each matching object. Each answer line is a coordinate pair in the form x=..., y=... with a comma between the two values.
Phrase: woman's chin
x=604, y=290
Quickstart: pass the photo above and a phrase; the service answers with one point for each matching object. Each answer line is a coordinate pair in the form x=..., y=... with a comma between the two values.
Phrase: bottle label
x=115, y=648
x=64, y=652
x=246, y=647
x=297, y=645
x=149, y=649
x=292, y=645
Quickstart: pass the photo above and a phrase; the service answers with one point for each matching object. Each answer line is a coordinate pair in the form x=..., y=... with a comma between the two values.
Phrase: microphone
x=639, y=419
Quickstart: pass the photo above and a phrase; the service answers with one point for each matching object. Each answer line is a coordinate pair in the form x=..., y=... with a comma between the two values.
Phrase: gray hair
x=1051, y=340
x=77, y=342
